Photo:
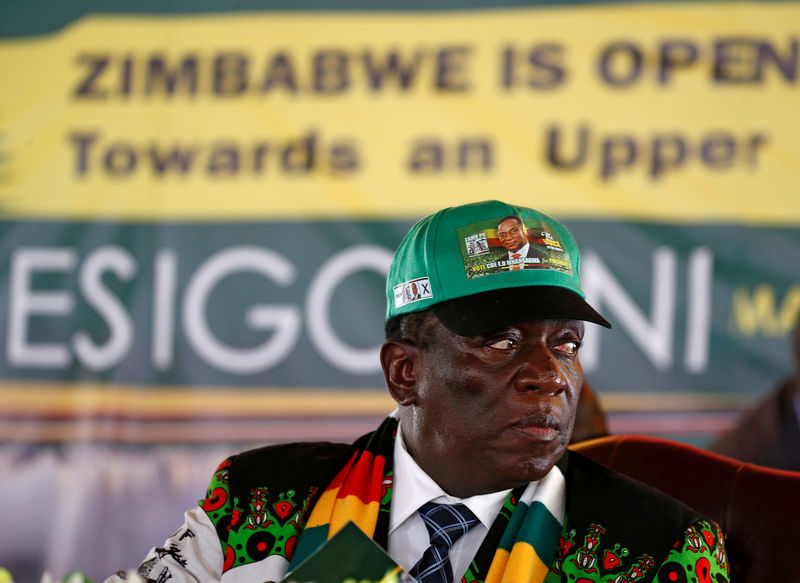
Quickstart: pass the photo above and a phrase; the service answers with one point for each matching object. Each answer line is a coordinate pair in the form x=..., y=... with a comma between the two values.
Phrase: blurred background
x=199, y=202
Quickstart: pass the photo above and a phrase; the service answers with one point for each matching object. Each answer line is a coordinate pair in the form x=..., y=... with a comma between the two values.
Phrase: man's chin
x=534, y=467
x=535, y=472
x=521, y=474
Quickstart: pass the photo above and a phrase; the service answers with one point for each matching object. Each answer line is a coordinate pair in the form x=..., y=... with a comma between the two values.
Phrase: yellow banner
x=678, y=111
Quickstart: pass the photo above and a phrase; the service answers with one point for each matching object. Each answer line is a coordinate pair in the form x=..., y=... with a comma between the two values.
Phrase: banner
x=198, y=208
x=675, y=112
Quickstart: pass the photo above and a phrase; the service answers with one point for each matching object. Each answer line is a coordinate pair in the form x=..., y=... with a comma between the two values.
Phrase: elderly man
x=513, y=236
x=470, y=479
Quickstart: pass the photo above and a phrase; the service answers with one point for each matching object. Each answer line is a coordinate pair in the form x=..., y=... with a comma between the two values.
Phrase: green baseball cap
x=487, y=265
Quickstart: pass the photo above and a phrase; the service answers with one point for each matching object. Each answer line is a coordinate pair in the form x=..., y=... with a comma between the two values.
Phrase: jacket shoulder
x=294, y=466
x=595, y=488
x=620, y=510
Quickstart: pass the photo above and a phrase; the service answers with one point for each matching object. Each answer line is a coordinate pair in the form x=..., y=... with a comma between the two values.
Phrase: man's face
x=494, y=411
x=511, y=235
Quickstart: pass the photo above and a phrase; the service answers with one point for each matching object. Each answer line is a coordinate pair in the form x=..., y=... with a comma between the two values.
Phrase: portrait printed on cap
x=511, y=243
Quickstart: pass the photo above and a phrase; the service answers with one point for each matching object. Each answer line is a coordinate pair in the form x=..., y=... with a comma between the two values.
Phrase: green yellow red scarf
x=520, y=545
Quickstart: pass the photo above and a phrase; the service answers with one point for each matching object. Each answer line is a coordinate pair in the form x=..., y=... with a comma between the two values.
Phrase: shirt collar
x=412, y=488
x=522, y=251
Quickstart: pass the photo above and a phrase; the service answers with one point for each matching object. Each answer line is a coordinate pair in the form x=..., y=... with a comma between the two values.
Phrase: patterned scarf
x=519, y=547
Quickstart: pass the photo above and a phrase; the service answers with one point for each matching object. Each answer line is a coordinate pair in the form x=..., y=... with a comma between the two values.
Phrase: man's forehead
x=547, y=323
x=550, y=323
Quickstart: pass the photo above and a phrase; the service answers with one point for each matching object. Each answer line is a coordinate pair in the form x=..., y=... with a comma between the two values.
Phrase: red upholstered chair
x=758, y=507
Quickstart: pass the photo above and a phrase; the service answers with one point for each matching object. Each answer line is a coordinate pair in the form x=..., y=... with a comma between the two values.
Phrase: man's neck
x=522, y=251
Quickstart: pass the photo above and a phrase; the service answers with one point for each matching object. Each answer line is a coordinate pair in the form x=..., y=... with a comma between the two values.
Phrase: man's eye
x=569, y=347
x=504, y=344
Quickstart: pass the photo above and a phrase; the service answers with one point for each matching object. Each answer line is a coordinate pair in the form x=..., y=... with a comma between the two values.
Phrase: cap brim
x=496, y=309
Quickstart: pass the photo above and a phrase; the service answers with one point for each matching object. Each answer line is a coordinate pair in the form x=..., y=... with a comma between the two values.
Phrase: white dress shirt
x=522, y=251
x=408, y=535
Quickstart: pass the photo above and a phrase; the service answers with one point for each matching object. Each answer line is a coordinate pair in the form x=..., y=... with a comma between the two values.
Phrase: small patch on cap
x=412, y=291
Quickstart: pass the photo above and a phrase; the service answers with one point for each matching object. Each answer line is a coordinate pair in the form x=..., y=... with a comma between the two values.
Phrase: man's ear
x=399, y=361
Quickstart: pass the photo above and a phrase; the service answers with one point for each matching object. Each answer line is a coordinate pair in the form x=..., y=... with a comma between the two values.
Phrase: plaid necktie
x=446, y=524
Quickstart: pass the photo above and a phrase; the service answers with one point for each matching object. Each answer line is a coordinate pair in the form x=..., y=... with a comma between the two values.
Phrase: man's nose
x=540, y=371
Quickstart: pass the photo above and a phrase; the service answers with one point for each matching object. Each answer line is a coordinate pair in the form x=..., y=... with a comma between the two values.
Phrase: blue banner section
x=301, y=304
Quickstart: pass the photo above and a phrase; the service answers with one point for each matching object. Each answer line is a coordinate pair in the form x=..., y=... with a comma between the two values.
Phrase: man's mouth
x=539, y=426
